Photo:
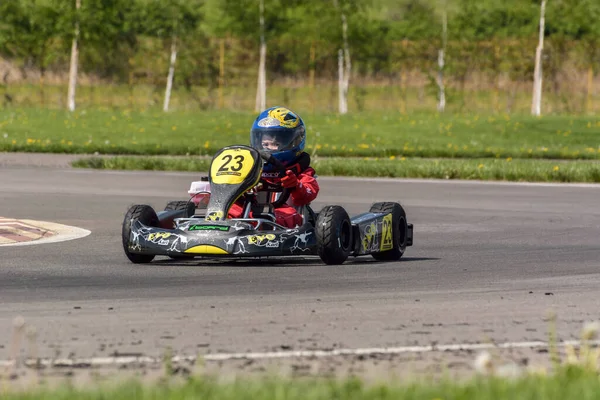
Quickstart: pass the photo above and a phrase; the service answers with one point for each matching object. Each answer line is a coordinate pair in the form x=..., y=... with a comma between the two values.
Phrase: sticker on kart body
x=369, y=242
x=259, y=239
x=157, y=235
x=214, y=216
x=232, y=166
x=208, y=228
x=387, y=242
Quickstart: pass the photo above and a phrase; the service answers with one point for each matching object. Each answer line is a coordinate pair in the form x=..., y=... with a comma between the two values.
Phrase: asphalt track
x=489, y=262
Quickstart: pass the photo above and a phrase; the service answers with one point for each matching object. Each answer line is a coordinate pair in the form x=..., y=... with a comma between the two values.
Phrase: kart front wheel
x=147, y=216
x=399, y=230
x=334, y=235
x=190, y=209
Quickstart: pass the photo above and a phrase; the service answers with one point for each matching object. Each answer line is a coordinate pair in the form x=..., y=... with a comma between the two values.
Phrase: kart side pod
x=383, y=232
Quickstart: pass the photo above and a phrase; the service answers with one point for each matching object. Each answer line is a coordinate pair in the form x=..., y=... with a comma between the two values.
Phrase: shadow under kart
x=186, y=230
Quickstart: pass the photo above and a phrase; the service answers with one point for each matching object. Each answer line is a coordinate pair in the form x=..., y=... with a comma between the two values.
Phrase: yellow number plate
x=387, y=236
x=231, y=166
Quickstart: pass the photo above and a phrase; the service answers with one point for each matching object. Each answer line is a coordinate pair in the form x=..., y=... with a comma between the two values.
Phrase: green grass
x=481, y=169
x=567, y=383
x=374, y=134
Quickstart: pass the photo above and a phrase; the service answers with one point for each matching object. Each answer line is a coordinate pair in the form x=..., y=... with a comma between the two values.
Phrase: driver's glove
x=289, y=181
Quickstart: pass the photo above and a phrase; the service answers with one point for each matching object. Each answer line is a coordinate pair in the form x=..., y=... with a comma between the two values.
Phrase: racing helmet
x=279, y=132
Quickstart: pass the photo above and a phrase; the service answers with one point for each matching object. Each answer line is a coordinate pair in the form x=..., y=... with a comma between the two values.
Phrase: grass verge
x=479, y=169
x=567, y=383
x=368, y=134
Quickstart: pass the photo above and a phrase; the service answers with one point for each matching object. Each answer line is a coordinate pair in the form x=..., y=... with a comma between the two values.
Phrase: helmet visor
x=273, y=142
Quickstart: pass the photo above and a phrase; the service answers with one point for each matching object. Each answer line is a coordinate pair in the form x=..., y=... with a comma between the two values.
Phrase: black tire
x=147, y=216
x=188, y=206
x=334, y=235
x=399, y=230
x=190, y=209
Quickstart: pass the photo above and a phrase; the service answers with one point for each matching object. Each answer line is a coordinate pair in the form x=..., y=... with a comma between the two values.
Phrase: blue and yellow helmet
x=280, y=132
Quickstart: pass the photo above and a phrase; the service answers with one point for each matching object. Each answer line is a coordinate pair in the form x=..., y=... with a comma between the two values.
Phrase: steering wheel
x=278, y=166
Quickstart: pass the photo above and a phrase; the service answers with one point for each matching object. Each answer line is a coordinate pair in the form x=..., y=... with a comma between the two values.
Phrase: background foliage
x=393, y=43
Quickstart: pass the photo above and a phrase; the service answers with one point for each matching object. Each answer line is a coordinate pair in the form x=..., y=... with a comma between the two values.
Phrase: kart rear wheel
x=147, y=216
x=399, y=230
x=188, y=206
x=334, y=235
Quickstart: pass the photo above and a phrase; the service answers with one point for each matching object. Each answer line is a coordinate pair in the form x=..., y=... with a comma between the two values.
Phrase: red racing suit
x=305, y=191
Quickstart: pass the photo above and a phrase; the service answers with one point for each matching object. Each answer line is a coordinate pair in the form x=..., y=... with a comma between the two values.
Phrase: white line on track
x=122, y=360
x=63, y=233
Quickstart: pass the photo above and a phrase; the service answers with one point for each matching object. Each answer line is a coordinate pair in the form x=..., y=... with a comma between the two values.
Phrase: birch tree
x=172, y=60
x=261, y=89
x=536, y=103
x=441, y=107
x=344, y=63
x=74, y=61
x=171, y=21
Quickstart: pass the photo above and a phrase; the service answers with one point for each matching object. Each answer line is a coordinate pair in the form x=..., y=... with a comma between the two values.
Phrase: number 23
x=228, y=158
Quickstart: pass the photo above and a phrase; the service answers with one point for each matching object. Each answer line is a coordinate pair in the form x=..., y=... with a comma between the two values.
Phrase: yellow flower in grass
x=363, y=146
x=556, y=168
x=403, y=159
x=480, y=166
x=392, y=157
x=30, y=141
x=173, y=128
x=508, y=159
x=206, y=144
x=14, y=141
x=142, y=130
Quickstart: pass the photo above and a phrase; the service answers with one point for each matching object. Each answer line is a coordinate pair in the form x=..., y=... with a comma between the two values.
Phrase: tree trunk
x=261, y=90
x=345, y=67
x=74, y=62
x=342, y=106
x=536, y=103
x=171, y=73
x=441, y=62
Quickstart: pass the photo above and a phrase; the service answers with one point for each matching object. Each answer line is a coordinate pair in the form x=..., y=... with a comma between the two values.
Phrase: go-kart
x=200, y=227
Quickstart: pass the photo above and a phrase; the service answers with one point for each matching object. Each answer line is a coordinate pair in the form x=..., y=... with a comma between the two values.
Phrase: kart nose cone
x=206, y=249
